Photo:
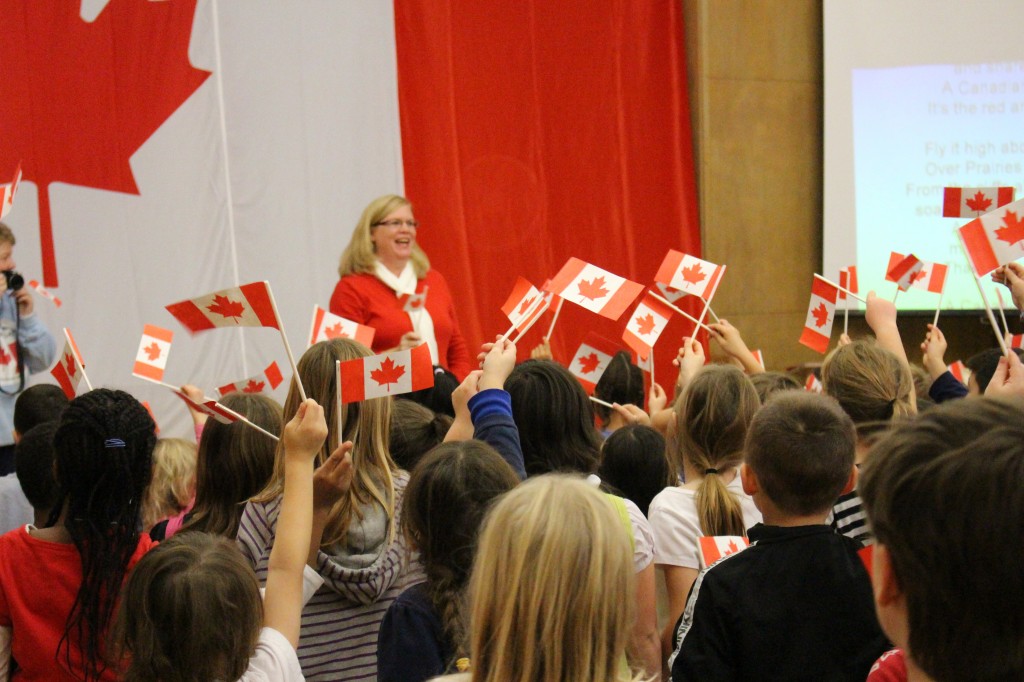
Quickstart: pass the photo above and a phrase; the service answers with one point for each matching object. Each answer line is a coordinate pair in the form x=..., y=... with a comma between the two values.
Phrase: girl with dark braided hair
x=59, y=585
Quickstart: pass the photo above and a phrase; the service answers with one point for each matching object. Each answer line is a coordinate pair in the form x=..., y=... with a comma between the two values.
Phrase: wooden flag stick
x=601, y=402
x=1002, y=313
x=338, y=405
x=74, y=346
x=287, y=346
x=558, y=310
x=535, y=311
x=846, y=317
x=680, y=311
x=896, y=295
x=984, y=298
x=843, y=289
x=938, y=309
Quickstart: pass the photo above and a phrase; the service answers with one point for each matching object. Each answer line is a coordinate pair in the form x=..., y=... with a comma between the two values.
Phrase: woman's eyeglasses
x=396, y=223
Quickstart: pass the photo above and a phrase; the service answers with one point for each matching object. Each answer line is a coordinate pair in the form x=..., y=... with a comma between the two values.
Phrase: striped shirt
x=338, y=640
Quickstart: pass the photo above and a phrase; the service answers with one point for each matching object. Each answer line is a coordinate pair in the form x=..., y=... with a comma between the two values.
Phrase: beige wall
x=755, y=77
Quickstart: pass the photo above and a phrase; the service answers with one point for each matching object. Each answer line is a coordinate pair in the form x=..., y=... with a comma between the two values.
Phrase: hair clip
x=113, y=443
x=708, y=472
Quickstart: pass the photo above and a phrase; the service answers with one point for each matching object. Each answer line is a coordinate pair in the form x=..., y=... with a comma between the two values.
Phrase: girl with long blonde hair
x=551, y=585
x=364, y=562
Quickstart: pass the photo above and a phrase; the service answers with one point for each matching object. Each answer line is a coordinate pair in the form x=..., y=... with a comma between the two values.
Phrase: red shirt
x=38, y=584
x=365, y=299
x=890, y=667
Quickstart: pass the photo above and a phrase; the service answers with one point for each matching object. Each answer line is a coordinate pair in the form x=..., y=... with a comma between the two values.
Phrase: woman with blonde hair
x=549, y=591
x=387, y=283
x=365, y=564
x=713, y=414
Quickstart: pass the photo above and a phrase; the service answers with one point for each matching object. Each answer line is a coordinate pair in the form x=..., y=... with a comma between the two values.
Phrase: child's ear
x=852, y=482
x=883, y=577
x=749, y=480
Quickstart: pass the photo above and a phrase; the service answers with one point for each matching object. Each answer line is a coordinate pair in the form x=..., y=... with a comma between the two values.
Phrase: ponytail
x=718, y=510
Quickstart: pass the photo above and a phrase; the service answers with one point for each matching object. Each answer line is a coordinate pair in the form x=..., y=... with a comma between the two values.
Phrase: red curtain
x=533, y=131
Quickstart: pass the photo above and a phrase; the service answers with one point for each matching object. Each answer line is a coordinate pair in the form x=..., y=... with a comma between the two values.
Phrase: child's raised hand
x=632, y=414
x=195, y=394
x=304, y=435
x=689, y=361
x=729, y=338
x=332, y=479
x=845, y=340
x=498, y=363
x=1008, y=379
x=462, y=427
x=879, y=313
x=542, y=351
x=933, y=351
x=657, y=399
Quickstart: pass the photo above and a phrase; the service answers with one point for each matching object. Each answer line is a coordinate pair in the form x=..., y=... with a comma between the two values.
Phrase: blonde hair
x=360, y=255
x=550, y=587
x=174, y=480
x=870, y=383
x=366, y=424
x=714, y=412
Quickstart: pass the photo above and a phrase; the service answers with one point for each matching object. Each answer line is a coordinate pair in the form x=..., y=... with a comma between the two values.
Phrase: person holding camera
x=25, y=342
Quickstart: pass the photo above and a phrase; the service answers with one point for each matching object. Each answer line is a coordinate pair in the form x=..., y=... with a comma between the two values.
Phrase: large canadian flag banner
x=645, y=325
x=327, y=326
x=820, y=315
x=379, y=376
x=970, y=202
x=250, y=305
x=996, y=238
x=597, y=290
x=690, y=274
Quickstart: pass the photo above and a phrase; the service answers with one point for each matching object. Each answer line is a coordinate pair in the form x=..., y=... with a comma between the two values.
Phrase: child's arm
x=462, y=427
x=729, y=338
x=331, y=481
x=303, y=437
x=880, y=315
x=1008, y=379
x=491, y=406
x=198, y=418
x=933, y=351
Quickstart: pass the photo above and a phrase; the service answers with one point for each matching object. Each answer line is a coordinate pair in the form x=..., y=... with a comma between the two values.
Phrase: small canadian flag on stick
x=378, y=376
x=820, y=315
x=597, y=290
x=690, y=274
x=928, y=276
x=848, y=280
x=415, y=302
x=9, y=191
x=959, y=371
x=220, y=413
x=268, y=380
x=327, y=326
x=995, y=238
x=645, y=325
x=970, y=202
x=44, y=292
x=522, y=305
x=759, y=356
x=151, y=360
x=713, y=548
x=813, y=384
x=70, y=369
x=903, y=270
x=591, y=360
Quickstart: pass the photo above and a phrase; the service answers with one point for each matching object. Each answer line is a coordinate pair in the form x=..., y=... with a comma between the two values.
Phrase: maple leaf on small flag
x=593, y=289
x=1013, y=230
x=693, y=274
x=588, y=363
x=152, y=351
x=416, y=303
x=335, y=332
x=645, y=325
x=225, y=307
x=979, y=202
x=526, y=305
x=253, y=386
x=920, y=274
x=387, y=373
x=820, y=315
x=5, y=357
x=733, y=547
x=69, y=363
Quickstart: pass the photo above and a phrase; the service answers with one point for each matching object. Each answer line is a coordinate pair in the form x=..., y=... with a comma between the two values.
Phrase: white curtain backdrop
x=260, y=174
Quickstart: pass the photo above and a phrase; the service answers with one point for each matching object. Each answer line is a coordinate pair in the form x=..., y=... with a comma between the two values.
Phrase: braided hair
x=103, y=453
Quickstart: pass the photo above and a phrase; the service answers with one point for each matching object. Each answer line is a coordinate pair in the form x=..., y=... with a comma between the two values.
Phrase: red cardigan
x=365, y=299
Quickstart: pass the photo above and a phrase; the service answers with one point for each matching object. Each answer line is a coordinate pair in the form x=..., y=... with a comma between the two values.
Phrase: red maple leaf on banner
x=388, y=373
x=225, y=307
x=593, y=289
x=69, y=364
x=525, y=305
x=152, y=351
x=1013, y=230
x=920, y=274
x=693, y=274
x=253, y=386
x=82, y=97
x=820, y=315
x=335, y=332
x=979, y=203
x=645, y=325
x=588, y=363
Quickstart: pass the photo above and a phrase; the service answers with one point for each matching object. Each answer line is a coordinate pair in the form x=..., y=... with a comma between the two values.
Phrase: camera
x=14, y=280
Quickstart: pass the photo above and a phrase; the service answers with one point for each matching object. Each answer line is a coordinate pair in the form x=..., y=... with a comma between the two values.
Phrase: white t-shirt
x=643, y=537
x=275, y=660
x=673, y=517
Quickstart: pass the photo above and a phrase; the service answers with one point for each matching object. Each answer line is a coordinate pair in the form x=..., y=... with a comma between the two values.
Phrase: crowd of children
x=521, y=537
